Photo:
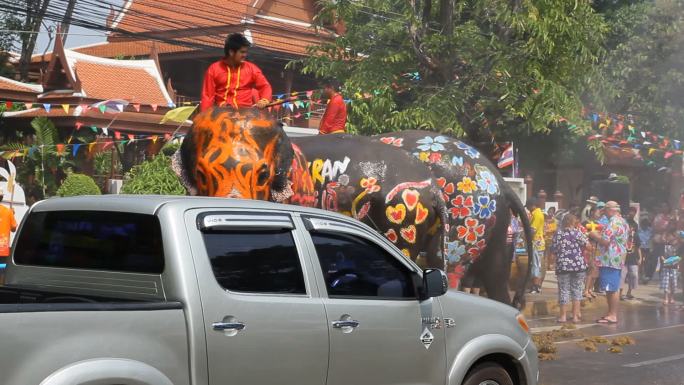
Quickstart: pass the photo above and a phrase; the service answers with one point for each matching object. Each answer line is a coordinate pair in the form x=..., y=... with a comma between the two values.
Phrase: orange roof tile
x=13, y=85
x=137, y=81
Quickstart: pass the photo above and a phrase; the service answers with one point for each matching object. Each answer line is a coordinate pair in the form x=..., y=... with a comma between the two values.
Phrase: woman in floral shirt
x=568, y=245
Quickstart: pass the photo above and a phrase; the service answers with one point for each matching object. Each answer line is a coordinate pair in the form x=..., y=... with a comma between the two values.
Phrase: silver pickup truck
x=131, y=290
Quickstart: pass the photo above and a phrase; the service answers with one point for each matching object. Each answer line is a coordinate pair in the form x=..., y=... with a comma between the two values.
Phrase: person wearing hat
x=7, y=225
x=612, y=241
x=586, y=211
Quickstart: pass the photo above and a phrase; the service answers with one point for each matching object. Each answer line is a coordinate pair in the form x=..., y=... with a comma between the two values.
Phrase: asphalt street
x=657, y=358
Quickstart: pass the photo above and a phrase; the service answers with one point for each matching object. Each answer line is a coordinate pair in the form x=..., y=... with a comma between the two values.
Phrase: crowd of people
x=605, y=249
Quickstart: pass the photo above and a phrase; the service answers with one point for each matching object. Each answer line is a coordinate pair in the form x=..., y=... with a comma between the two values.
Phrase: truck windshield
x=97, y=240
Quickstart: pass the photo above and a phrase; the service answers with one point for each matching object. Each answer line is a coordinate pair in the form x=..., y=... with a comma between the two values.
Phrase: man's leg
x=536, y=269
x=613, y=303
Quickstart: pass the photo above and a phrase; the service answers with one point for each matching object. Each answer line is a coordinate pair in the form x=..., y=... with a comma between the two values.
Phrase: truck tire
x=488, y=373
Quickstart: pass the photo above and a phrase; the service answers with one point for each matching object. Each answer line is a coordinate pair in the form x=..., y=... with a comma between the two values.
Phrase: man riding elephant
x=478, y=203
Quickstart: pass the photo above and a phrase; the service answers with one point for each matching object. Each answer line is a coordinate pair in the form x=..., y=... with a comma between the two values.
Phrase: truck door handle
x=228, y=326
x=345, y=324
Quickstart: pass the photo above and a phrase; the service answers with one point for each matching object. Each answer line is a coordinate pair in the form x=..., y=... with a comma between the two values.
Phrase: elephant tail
x=519, y=210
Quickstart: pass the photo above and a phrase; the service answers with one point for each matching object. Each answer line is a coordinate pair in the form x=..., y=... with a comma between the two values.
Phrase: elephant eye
x=263, y=174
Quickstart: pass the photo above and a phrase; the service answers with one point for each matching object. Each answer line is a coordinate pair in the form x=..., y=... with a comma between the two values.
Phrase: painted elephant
x=432, y=196
x=385, y=188
x=245, y=154
x=478, y=203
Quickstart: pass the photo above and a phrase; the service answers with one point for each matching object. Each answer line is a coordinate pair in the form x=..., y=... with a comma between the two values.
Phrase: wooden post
x=529, y=182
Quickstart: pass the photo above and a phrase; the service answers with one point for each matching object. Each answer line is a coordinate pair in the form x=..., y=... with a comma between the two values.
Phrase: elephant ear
x=281, y=186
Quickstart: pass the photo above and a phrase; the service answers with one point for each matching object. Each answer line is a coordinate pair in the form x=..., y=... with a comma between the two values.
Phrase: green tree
x=43, y=166
x=644, y=65
x=467, y=67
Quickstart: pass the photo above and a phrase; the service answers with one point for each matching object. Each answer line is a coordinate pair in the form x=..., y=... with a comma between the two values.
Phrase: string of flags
x=74, y=148
x=620, y=133
x=292, y=102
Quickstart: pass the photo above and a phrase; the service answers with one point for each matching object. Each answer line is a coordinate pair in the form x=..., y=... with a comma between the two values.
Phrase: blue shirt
x=645, y=235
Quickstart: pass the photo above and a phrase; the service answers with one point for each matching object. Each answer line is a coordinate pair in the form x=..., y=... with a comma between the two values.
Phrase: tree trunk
x=66, y=21
x=446, y=10
x=35, y=11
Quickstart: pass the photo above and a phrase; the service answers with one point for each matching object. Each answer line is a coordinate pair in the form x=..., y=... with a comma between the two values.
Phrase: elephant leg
x=494, y=266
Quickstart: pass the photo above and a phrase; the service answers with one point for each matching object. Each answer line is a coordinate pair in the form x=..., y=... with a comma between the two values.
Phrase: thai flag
x=507, y=157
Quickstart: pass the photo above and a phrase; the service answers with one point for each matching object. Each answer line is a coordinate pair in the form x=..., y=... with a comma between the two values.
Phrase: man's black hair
x=332, y=83
x=234, y=42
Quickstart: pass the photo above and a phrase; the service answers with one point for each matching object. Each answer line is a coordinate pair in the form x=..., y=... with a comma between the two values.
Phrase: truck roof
x=151, y=204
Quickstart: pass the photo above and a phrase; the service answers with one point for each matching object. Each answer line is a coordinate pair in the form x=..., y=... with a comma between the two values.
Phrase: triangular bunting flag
x=178, y=115
x=154, y=107
x=74, y=151
x=28, y=105
x=643, y=134
x=290, y=106
x=171, y=105
x=60, y=148
x=120, y=107
x=309, y=94
x=93, y=129
x=298, y=115
x=69, y=139
x=136, y=107
x=31, y=150
x=107, y=144
x=154, y=138
x=105, y=131
x=90, y=147
x=117, y=135
x=65, y=107
x=47, y=107
x=131, y=137
x=167, y=136
x=651, y=151
x=78, y=125
x=84, y=107
x=102, y=108
x=668, y=155
x=9, y=104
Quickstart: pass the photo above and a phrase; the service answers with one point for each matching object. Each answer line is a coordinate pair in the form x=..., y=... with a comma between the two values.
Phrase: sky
x=77, y=37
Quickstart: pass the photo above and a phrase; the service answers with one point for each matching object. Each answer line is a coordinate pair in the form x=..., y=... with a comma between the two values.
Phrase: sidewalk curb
x=547, y=307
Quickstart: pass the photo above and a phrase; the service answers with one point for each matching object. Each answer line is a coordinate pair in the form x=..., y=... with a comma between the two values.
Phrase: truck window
x=97, y=240
x=255, y=261
x=356, y=268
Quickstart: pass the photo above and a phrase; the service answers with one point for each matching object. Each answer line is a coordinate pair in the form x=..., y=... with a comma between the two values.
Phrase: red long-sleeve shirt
x=335, y=116
x=225, y=86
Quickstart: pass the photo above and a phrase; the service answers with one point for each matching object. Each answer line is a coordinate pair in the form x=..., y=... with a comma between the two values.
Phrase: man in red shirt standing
x=232, y=80
x=335, y=116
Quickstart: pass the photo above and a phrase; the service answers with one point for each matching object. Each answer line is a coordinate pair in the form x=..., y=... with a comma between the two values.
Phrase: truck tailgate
x=39, y=340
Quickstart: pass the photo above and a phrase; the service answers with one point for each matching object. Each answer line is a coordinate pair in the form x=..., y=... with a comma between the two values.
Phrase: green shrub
x=170, y=148
x=153, y=176
x=78, y=184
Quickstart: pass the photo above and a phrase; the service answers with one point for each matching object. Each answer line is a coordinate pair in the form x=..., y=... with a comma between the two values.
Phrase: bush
x=78, y=184
x=153, y=176
x=170, y=148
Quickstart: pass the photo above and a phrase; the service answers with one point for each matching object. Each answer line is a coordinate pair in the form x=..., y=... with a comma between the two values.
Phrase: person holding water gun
x=669, y=268
x=590, y=252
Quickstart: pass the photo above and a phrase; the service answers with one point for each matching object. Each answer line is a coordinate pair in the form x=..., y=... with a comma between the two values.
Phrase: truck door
x=380, y=333
x=264, y=319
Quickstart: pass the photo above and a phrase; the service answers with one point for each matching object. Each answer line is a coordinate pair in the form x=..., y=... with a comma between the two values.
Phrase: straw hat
x=593, y=200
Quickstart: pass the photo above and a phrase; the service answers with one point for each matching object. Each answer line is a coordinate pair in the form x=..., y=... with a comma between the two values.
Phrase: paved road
x=656, y=359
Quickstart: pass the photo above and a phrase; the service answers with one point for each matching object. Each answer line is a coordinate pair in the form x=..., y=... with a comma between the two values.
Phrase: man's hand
x=261, y=104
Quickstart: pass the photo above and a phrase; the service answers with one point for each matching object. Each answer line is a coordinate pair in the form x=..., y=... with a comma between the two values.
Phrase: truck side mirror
x=435, y=283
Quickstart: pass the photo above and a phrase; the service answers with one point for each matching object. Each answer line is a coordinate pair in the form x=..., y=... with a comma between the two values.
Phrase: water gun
x=593, y=226
x=672, y=261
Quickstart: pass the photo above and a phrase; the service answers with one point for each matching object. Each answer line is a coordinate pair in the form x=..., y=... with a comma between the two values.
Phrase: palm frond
x=46, y=132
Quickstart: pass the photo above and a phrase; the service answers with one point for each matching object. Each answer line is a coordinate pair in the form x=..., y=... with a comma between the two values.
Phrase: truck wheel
x=488, y=373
